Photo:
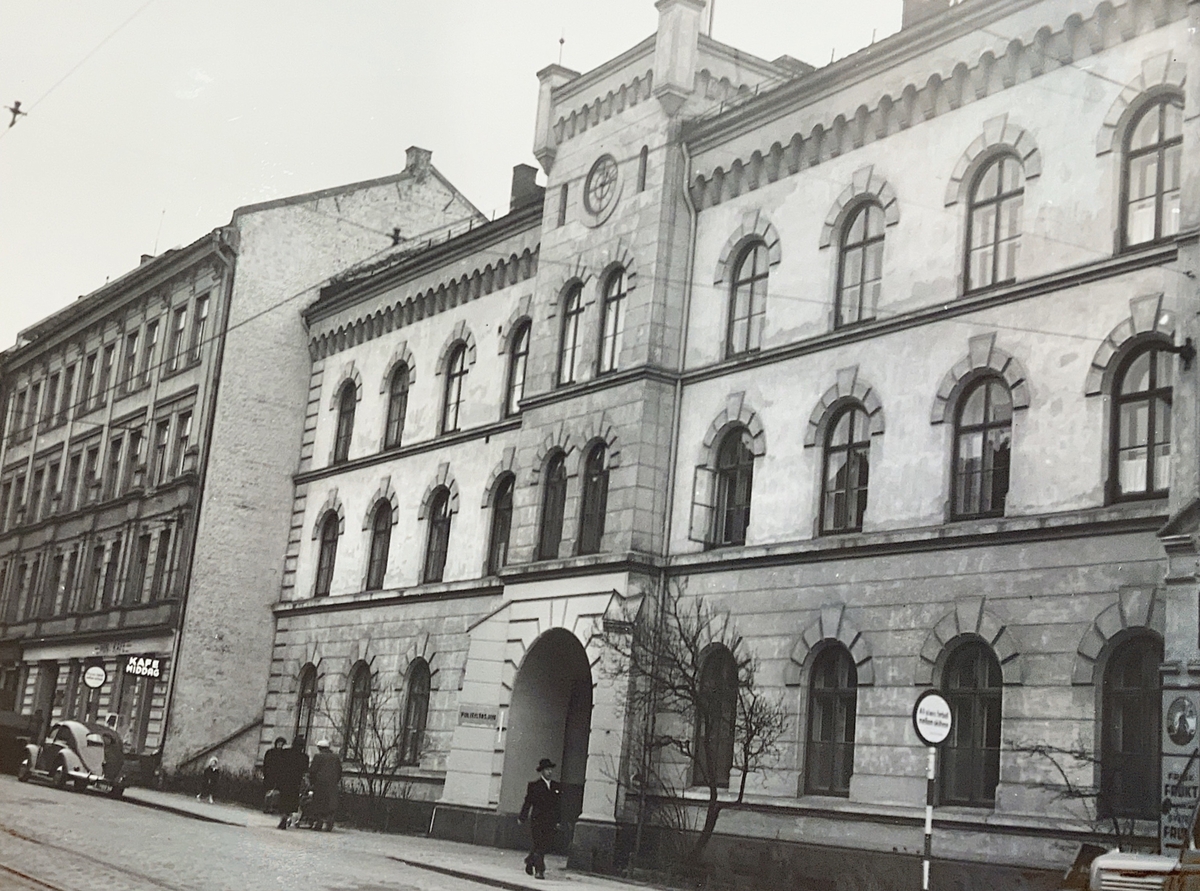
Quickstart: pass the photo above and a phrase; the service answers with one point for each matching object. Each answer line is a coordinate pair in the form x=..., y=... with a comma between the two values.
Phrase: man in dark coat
x=325, y=775
x=272, y=761
x=293, y=765
x=543, y=809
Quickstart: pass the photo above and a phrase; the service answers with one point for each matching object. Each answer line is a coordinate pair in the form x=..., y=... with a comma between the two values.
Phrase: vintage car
x=84, y=755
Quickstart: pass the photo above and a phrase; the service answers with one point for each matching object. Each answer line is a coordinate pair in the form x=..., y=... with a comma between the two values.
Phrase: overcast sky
x=144, y=139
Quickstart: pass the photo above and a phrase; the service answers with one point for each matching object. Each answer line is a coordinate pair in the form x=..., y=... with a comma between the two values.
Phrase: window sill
x=180, y=369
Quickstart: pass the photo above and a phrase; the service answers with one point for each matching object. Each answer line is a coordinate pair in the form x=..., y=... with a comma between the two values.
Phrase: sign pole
x=932, y=719
x=930, y=791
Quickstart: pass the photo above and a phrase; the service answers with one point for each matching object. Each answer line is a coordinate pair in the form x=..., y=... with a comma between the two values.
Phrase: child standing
x=208, y=779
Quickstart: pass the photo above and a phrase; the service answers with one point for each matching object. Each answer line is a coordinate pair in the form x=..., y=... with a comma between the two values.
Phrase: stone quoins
x=460, y=334
x=755, y=226
x=864, y=186
x=971, y=616
x=1160, y=74
x=982, y=353
x=1146, y=316
x=348, y=373
x=443, y=479
x=1136, y=607
x=401, y=355
x=848, y=386
x=332, y=503
x=830, y=624
x=736, y=411
x=998, y=135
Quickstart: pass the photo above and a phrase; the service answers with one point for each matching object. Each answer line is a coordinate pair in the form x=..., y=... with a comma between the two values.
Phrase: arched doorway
x=550, y=717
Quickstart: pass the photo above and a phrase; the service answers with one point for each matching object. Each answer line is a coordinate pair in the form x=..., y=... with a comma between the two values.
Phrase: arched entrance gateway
x=550, y=717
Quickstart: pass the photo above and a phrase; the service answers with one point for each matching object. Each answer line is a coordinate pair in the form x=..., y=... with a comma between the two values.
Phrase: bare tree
x=711, y=713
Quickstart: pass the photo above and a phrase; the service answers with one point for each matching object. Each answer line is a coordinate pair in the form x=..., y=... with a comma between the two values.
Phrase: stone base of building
x=478, y=826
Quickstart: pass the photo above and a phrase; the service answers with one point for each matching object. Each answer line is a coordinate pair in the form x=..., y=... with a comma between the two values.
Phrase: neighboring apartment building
x=887, y=359
x=108, y=404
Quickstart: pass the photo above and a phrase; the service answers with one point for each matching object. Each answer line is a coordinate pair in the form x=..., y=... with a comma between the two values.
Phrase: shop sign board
x=144, y=666
x=94, y=677
x=1180, y=768
x=474, y=715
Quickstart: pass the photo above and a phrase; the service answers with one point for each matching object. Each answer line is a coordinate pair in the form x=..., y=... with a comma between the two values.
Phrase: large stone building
x=961, y=259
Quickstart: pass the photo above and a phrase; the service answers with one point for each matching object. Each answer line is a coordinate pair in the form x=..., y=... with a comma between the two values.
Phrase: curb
x=462, y=874
x=182, y=812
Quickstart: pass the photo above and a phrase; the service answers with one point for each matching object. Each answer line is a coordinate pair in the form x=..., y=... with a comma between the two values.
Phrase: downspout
x=229, y=259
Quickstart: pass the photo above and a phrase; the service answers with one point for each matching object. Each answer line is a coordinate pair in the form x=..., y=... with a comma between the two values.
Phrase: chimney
x=918, y=10
x=417, y=161
x=525, y=190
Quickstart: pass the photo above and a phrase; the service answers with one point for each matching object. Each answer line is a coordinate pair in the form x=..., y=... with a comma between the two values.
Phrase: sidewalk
x=497, y=867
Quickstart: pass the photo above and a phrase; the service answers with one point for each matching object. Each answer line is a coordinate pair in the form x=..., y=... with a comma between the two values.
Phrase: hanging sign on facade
x=144, y=666
x=932, y=718
x=473, y=715
x=94, y=676
x=1180, y=767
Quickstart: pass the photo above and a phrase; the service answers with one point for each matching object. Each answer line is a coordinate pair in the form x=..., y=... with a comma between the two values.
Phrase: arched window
x=554, y=503
x=716, y=716
x=568, y=352
x=416, y=713
x=439, y=535
x=1141, y=446
x=347, y=402
x=381, y=542
x=612, y=327
x=832, y=707
x=643, y=164
x=595, y=499
x=748, y=300
x=847, y=465
x=1150, y=184
x=971, y=754
x=994, y=223
x=397, y=407
x=326, y=554
x=456, y=373
x=518, y=358
x=306, y=702
x=502, y=511
x=1130, y=722
x=982, y=449
x=860, y=265
x=358, y=703
x=734, y=482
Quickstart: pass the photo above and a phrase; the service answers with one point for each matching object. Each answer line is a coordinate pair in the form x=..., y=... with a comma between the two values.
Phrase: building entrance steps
x=497, y=867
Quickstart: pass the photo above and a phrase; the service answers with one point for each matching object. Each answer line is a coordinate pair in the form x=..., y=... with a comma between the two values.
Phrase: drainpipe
x=227, y=256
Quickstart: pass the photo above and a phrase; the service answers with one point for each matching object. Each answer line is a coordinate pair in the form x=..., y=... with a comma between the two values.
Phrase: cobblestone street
x=51, y=839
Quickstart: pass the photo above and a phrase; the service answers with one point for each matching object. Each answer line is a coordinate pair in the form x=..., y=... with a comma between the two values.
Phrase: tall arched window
x=502, y=511
x=1130, y=725
x=397, y=407
x=994, y=223
x=748, y=300
x=860, y=267
x=847, y=466
x=612, y=326
x=568, y=351
x=1141, y=447
x=347, y=402
x=381, y=542
x=971, y=684
x=554, y=503
x=734, y=483
x=832, y=707
x=1153, y=152
x=456, y=373
x=358, y=703
x=326, y=554
x=306, y=702
x=518, y=358
x=982, y=449
x=643, y=165
x=716, y=717
x=416, y=713
x=595, y=499
x=439, y=535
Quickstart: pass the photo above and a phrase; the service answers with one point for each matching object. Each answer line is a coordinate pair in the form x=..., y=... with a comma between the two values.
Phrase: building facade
x=888, y=360
x=108, y=404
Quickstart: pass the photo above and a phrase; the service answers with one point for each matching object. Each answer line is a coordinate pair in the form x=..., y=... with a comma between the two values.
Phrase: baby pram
x=309, y=817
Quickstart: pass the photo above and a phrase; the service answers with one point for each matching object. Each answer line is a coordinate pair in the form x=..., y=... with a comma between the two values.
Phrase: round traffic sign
x=932, y=718
x=95, y=676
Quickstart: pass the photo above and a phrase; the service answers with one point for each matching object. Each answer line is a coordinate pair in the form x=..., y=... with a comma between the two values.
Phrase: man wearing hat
x=543, y=809
x=325, y=775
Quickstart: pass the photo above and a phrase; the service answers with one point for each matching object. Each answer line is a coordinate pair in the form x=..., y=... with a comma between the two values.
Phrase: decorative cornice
x=1045, y=52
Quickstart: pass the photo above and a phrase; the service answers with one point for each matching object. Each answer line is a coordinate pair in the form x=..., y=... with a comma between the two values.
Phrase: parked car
x=84, y=755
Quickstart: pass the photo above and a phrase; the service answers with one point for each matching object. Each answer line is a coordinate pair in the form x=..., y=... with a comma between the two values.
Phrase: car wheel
x=60, y=775
x=117, y=791
x=24, y=769
x=81, y=785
